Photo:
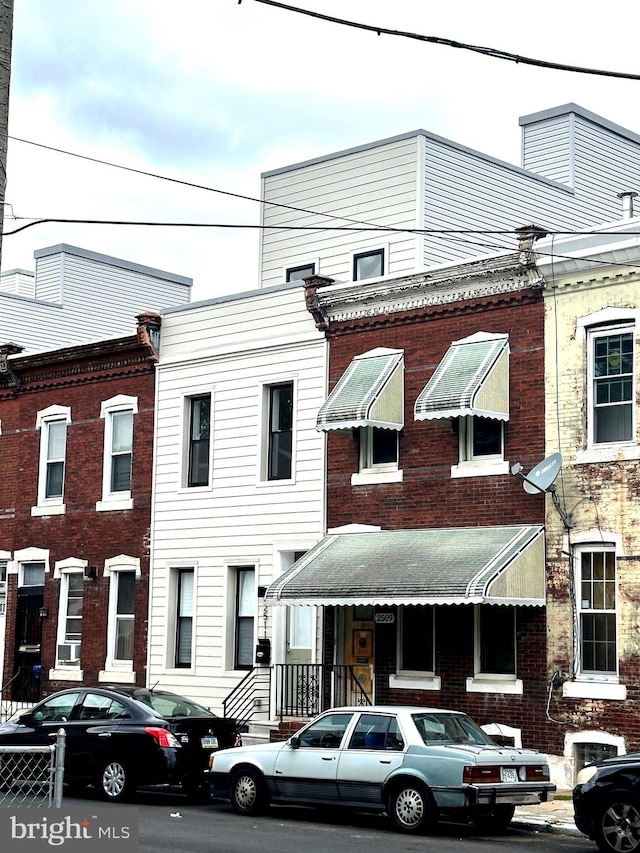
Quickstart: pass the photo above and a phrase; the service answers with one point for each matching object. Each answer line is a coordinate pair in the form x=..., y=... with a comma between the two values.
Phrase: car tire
x=411, y=807
x=494, y=818
x=114, y=783
x=248, y=792
x=616, y=824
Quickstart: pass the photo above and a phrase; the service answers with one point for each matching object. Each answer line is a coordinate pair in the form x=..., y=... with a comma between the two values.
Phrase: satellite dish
x=540, y=478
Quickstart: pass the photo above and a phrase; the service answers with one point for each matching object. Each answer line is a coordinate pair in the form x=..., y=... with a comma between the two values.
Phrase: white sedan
x=414, y=763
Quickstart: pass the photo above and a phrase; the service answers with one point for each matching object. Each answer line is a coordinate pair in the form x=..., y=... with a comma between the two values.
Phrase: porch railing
x=298, y=689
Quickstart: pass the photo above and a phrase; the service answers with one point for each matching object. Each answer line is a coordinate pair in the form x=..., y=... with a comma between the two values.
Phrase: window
x=122, y=590
x=70, y=618
x=377, y=731
x=52, y=423
x=299, y=272
x=33, y=573
x=415, y=637
x=184, y=619
x=368, y=264
x=199, y=440
x=3, y=574
x=378, y=449
x=327, y=732
x=585, y=753
x=596, y=587
x=244, y=617
x=611, y=386
x=481, y=439
x=496, y=641
x=280, y=433
x=118, y=415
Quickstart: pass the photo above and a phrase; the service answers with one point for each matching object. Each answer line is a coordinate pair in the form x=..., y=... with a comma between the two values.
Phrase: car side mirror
x=25, y=719
x=294, y=742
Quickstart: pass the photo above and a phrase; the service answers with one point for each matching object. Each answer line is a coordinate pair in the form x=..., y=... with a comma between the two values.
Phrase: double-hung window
x=52, y=423
x=279, y=400
x=611, y=385
x=70, y=618
x=199, y=442
x=118, y=414
x=495, y=641
x=184, y=618
x=597, y=614
x=245, y=606
x=416, y=639
x=378, y=449
x=481, y=439
x=120, y=630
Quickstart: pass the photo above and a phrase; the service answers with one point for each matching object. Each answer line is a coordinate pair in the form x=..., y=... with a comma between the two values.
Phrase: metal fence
x=32, y=776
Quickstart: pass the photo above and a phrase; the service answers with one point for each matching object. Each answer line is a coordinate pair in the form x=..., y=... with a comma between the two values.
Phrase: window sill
x=116, y=676
x=370, y=477
x=495, y=685
x=52, y=509
x=112, y=505
x=404, y=681
x=479, y=469
x=594, y=690
x=610, y=453
x=75, y=674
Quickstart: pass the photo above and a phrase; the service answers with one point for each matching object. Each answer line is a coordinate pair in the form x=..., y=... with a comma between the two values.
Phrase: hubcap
x=113, y=779
x=409, y=807
x=245, y=792
x=621, y=827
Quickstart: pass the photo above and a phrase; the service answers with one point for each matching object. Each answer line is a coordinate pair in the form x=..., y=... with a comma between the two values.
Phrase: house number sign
x=385, y=618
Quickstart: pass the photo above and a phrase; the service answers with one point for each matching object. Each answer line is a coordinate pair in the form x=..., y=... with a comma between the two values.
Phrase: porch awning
x=451, y=565
x=471, y=379
x=369, y=393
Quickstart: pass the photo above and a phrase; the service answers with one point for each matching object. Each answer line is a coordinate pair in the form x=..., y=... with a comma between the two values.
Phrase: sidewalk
x=554, y=816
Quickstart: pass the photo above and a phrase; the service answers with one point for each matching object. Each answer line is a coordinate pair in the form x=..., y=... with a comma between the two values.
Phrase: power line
x=493, y=52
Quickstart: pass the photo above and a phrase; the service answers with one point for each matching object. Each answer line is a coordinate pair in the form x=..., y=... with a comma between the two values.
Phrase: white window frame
x=239, y=611
x=186, y=442
x=114, y=569
x=265, y=430
x=44, y=420
x=493, y=682
x=122, y=499
x=29, y=555
x=176, y=571
x=602, y=676
x=67, y=670
x=592, y=334
x=383, y=472
x=478, y=465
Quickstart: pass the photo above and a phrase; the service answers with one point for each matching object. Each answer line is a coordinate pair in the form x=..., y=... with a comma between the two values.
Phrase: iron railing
x=250, y=696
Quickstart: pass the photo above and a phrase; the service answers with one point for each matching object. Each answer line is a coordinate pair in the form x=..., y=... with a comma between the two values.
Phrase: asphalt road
x=169, y=824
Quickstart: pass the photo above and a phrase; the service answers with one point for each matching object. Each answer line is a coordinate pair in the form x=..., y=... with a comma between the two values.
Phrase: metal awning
x=451, y=565
x=471, y=379
x=369, y=393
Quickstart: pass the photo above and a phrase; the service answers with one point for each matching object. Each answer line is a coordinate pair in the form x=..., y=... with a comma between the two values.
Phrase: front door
x=27, y=657
x=359, y=652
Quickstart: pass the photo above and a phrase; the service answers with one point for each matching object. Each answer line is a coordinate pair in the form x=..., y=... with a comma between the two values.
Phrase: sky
x=215, y=92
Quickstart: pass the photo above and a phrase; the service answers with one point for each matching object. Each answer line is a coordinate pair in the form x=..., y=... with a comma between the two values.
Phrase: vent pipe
x=627, y=203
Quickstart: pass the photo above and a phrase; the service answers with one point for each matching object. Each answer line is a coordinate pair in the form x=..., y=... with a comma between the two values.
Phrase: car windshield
x=437, y=728
x=173, y=705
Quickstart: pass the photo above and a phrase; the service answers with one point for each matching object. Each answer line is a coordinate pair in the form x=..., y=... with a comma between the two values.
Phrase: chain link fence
x=32, y=776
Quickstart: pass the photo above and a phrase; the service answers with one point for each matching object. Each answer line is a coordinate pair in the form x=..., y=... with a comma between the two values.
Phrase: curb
x=544, y=824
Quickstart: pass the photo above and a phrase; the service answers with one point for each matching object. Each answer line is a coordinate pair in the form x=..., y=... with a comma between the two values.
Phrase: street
x=169, y=823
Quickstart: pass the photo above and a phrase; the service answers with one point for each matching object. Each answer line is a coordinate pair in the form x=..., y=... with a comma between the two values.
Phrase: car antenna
x=151, y=689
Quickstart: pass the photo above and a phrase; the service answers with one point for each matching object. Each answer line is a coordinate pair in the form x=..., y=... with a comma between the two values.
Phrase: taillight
x=538, y=773
x=475, y=774
x=163, y=736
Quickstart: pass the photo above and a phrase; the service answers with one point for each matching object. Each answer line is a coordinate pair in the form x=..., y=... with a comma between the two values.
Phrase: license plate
x=209, y=742
x=508, y=774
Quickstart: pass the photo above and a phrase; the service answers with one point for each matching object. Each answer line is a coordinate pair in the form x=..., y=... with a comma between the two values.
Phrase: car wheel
x=411, y=808
x=248, y=792
x=616, y=826
x=114, y=782
x=495, y=818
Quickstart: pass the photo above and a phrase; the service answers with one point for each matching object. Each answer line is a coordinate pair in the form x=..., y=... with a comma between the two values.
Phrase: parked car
x=122, y=738
x=606, y=803
x=417, y=764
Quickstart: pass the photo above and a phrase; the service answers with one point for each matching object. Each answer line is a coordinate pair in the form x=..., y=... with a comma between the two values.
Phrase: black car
x=606, y=803
x=121, y=738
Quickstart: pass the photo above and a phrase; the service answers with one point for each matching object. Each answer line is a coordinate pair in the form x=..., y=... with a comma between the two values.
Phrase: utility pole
x=6, y=36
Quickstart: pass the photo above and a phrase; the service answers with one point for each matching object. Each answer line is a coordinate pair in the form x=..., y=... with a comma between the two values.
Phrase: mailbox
x=263, y=650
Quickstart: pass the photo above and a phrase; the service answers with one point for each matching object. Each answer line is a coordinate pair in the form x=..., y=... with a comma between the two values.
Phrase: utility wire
x=493, y=52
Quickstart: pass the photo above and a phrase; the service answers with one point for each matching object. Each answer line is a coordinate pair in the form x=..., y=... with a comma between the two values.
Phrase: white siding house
x=574, y=163
x=77, y=296
x=238, y=482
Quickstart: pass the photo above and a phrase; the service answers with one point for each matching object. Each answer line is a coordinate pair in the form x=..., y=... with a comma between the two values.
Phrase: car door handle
x=104, y=734
x=385, y=761
x=328, y=757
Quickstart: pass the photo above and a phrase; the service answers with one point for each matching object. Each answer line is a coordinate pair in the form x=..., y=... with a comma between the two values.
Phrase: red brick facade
x=79, y=378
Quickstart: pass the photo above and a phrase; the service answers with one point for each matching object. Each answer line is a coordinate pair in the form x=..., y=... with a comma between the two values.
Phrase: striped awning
x=453, y=565
x=471, y=379
x=370, y=393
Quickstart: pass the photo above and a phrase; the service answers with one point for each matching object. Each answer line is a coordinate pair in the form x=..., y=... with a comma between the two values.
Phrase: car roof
x=393, y=709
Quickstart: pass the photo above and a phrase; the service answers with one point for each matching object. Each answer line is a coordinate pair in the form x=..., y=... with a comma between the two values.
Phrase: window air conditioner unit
x=69, y=653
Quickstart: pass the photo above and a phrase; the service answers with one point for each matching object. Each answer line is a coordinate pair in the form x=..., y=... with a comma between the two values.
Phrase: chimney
x=627, y=203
